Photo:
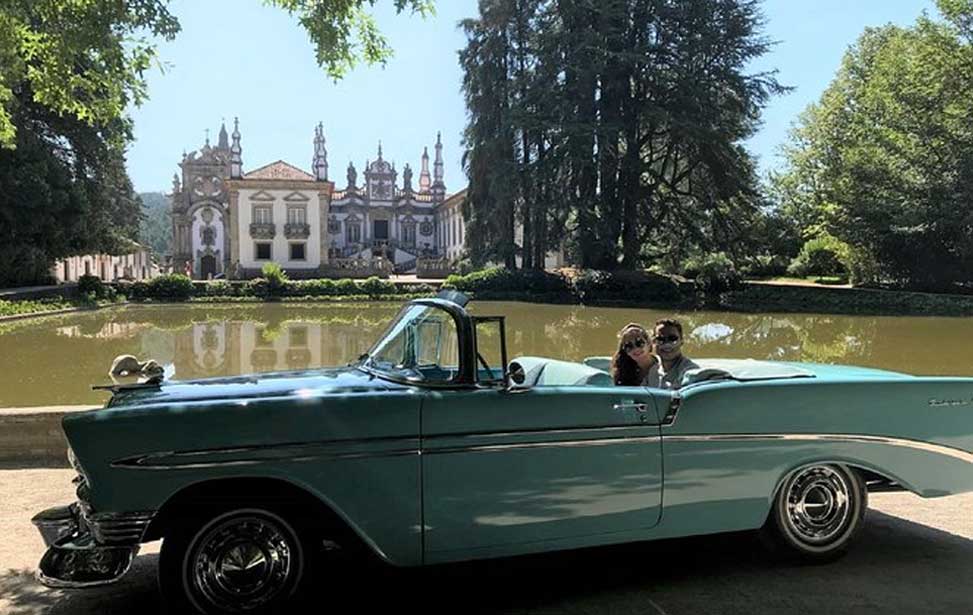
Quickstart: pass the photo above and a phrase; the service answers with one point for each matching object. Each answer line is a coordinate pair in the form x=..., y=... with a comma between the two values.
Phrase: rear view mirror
x=517, y=374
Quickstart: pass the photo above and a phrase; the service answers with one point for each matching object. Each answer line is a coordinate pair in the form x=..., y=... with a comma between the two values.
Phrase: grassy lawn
x=812, y=279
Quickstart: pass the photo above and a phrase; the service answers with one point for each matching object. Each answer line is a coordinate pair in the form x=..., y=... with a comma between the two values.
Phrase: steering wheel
x=485, y=366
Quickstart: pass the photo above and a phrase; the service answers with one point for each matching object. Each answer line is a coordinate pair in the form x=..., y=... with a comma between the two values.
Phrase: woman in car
x=634, y=358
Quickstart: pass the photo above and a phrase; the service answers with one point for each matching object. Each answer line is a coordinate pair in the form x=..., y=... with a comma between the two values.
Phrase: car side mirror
x=517, y=373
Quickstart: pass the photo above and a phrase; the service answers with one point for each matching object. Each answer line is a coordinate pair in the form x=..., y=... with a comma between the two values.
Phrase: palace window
x=296, y=215
x=263, y=215
x=298, y=252
x=262, y=251
x=353, y=232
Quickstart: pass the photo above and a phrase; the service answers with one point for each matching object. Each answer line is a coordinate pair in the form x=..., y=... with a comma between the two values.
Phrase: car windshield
x=420, y=345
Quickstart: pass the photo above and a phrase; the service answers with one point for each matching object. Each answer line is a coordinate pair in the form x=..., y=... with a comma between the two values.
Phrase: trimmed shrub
x=219, y=288
x=717, y=274
x=346, y=287
x=314, y=288
x=417, y=289
x=172, y=287
x=91, y=285
x=591, y=285
x=502, y=280
x=375, y=286
x=824, y=255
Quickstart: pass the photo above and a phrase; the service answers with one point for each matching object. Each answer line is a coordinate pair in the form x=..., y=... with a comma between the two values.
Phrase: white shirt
x=659, y=378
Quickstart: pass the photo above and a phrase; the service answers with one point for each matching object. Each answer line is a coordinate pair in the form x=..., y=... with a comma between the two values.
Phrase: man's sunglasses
x=638, y=342
x=665, y=339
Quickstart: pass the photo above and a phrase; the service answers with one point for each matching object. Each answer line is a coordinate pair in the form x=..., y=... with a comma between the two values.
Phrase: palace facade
x=227, y=222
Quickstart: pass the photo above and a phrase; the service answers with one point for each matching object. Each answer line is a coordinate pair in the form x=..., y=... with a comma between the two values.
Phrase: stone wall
x=34, y=435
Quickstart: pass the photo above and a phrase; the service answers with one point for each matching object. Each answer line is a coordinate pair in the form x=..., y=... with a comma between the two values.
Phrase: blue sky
x=240, y=58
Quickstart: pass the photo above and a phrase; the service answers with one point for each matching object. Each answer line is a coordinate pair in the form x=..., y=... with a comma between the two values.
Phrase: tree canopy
x=614, y=127
x=884, y=161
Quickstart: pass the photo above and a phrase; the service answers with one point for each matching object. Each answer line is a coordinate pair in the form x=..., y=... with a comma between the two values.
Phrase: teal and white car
x=432, y=448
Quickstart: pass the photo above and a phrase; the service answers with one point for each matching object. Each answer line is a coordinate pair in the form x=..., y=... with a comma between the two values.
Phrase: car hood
x=273, y=384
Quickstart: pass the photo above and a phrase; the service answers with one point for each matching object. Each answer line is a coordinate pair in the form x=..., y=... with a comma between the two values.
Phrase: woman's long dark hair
x=625, y=371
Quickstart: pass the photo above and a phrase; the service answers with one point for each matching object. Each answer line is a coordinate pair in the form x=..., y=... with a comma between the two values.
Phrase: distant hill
x=156, y=228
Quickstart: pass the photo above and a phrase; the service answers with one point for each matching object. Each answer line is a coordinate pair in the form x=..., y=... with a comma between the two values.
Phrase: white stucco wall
x=280, y=250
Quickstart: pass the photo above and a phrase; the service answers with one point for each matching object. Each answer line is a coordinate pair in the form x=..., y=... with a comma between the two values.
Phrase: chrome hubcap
x=243, y=562
x=818, y=506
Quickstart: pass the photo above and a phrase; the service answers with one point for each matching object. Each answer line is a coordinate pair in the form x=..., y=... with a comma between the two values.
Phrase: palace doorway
x=207, y=267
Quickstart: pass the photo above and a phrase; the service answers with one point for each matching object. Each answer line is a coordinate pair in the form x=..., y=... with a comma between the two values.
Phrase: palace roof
x=279, y=170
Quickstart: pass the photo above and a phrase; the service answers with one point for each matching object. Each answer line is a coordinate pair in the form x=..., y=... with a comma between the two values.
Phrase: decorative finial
x=379, y=149
x=207, y=137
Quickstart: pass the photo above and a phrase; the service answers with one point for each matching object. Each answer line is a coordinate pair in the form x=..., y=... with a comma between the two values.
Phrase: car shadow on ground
x=897, y=566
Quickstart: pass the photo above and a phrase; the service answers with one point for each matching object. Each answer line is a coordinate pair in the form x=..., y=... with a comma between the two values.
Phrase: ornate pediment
x=279, y=170
x=262, y=195
x=297, y=197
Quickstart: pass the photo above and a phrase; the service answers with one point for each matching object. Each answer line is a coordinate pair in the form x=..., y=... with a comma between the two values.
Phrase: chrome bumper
x=86, y=550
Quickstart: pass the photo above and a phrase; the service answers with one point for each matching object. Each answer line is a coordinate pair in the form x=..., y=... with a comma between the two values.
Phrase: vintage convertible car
x=432, y=448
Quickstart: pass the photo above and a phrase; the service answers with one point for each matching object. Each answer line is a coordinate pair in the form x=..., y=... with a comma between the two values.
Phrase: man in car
x=669, y=370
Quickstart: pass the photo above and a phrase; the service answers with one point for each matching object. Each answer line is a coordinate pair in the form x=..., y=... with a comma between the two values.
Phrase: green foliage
x=273, y=281
x=592, y=285
x=343, y=31
x=65, y=192
x=346, y=287
x=155, y=228
x=172, y=287
x=588, y=127
x=91, y=284
x=314, y=288
x=375, y=286
x=716, y=274
x=764, y=265
x=884, y=161
x=17, y=308
x=220, y=288
x=822, y=256
x=501, y=279
x=83, y=59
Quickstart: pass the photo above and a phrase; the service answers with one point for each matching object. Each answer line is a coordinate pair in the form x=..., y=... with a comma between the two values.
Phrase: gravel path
x=916, y=556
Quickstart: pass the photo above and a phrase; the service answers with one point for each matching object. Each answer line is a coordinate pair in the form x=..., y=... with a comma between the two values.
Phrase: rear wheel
x=236, y=559
x=817, y=513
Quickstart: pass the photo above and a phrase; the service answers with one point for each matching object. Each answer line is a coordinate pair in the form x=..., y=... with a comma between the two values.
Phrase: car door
x=547, y=467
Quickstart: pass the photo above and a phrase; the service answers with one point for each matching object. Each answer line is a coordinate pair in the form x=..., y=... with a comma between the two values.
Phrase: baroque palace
x=229, y=222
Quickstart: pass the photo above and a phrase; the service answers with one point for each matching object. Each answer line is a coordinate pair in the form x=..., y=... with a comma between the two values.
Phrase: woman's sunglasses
x=665, y=339
x=638, y=342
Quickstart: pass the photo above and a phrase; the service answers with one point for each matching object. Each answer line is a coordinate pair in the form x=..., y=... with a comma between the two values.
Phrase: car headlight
x=73, y=460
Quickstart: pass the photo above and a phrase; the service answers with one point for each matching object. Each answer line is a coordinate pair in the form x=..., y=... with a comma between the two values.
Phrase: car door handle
x=640, y=408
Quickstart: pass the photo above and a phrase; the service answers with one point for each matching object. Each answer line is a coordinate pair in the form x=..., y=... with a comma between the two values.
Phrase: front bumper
x=86, y=550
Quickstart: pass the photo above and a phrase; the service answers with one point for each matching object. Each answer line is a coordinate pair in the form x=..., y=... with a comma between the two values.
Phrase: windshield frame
x=464, y=335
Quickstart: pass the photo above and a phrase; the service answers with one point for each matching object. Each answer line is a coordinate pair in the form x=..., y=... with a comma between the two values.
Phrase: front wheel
x=817, y=512
x=235, y=560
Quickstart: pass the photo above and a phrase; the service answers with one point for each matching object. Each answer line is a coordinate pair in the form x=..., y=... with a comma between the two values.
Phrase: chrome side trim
x=254, y=455
x=938, y=449
x=554, y=431
x=487, y=448
x=156, y=461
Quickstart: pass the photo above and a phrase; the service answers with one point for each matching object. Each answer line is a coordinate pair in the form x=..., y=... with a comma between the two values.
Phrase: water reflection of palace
x=218, y=348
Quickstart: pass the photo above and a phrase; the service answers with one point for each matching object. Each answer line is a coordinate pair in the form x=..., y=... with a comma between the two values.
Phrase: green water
x=55, y=360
